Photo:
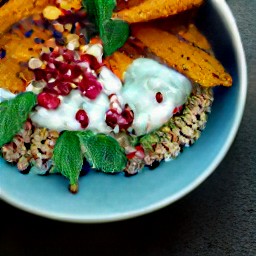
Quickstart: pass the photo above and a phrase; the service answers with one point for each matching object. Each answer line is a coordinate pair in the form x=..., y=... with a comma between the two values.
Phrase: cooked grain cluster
x=31, y=146
x=182, y=130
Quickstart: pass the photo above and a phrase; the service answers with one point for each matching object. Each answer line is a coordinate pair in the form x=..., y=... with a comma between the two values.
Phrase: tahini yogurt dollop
x=144, y=79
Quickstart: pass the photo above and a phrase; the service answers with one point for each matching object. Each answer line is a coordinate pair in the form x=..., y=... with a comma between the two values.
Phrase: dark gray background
x=218, y=218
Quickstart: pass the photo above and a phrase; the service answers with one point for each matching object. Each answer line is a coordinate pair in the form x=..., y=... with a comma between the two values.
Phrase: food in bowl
x=104, y=90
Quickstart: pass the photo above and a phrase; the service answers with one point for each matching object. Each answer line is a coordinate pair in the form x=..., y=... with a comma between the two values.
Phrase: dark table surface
x=218, y=218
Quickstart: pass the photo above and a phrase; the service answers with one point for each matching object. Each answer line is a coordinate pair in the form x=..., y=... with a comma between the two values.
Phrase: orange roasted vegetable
x=118, y=62
x=124, y=4
x=183, y=26
x=15, y=10
x=14, y=75
x=152, y=9
x=187, y=59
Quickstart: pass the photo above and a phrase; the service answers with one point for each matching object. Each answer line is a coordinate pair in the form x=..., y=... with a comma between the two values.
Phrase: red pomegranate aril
x=45, y=57
x=92, y=92
x=82, y=118
x=64, y=88
x=90, y=87
x=131, y=155
x=62, y=67
x=56, y=53
x=128, y=115
x=50, y=73
x=123, y=120
x=112, y=118
x=159, y=97
x=58, y=87
x=39, y=74
x=47, y=100
x=68, y=55
x=177, y=110
x=75, y=71
x=92, y=60
x=140, y=152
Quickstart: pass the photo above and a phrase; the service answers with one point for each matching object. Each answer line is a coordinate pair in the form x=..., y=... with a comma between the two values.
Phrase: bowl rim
x=224, y=10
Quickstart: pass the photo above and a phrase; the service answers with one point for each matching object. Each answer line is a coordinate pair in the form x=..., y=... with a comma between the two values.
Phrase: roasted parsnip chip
x=189, y=60
x=152, y=9
x=118, y=62
x=13, y=11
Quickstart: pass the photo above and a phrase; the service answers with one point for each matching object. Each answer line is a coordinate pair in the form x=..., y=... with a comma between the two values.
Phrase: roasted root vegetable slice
x=12, y=77
x=19, y=49
x=187, y=59
x=118, y=63
x=124, y=4
x=183, y=26
x=151, y=9
x=13, y=11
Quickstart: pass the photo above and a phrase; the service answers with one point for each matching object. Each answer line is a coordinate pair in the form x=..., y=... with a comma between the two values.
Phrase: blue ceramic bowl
x=104, y=197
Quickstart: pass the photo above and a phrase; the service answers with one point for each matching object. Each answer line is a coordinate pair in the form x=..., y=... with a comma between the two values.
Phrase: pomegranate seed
x=131, y=155
x=48, y=100
x=112, y=118
x=140, y=152
x=64, y=88
x=39, y=74
x=82, y=118
x=49, y=73
x=93, y=62
x=177, y=110
x=123, y=120
x=75, y=71
x=58, y=87
x=62, y=67
x=127, y=114
x=90, y=87
x=45, y=57
x=68, y=55
x=159, y=97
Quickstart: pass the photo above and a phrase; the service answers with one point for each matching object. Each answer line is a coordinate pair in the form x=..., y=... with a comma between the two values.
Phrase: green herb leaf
x=101, y=10
x=13, y=114
x=104, y=153
x=113, y=33
x=68, y=158
x=84, y=136
x=90, y=8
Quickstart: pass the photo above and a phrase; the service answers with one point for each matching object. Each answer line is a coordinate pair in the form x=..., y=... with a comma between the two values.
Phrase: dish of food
x=94, y=89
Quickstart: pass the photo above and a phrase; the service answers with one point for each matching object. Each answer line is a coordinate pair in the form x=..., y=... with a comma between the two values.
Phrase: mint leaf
x=13, y=114
x=114, y=34
x=101, y=10
x=84, y=136
x=104, y=153
x=90, y=8
x=68, y=158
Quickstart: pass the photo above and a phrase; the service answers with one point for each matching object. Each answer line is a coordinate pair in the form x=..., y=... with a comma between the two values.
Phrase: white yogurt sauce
x=6, y=95
x=111, y=83
x=143, y=79
x=63, y=118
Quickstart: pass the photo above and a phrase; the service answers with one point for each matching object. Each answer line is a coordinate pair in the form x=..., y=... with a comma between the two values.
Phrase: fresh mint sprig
x=101, y=151
x=68, y=158
x=13, y=114
x=113, y=33
x=104, y=153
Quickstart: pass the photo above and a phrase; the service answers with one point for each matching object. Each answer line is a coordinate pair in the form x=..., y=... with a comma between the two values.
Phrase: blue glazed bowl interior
x=113, y=197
